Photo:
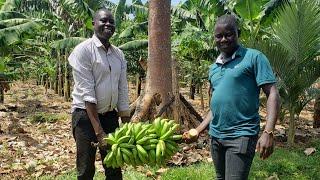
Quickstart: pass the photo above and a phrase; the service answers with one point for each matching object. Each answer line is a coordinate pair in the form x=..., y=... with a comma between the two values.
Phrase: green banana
x=158, y=152
x=143, y=140
x=135, y=155
x=126, y=145
x=165, y=128
x=140, y=134
x=126, y=158
x=168, y=134
x=142, y=151
x=127, y=152
x=123, y=139
x=153, y=136
x=171, y=147
x=153, y=141
x=176, y=137
x=119, y=158
x=150, y=146
x=114, y=147
x=163, y=146
x=110, y=139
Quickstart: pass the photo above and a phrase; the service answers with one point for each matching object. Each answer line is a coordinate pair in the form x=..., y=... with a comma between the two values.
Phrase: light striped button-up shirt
x=100, y=77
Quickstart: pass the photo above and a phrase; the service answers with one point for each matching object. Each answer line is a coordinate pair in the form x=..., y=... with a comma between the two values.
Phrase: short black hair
x=228, y=19
x=101, y=9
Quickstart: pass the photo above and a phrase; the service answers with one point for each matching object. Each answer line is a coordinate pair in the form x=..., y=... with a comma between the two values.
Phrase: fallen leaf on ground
x=309, y=151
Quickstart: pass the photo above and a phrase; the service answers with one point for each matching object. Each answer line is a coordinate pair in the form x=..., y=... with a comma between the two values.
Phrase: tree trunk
x=158, y=97
x=56, y=79
x=1, y=94
x=138, y=85
x=292, y=128
x=192, y=90
x=59, y=75
x=175, y=85
x=66, y=80
x=159, y=77
x=201, y=97
x=316, y=115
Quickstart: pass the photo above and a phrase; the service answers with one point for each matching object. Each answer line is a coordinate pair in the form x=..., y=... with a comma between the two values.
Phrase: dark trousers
x=84, y=134
x=233, y=158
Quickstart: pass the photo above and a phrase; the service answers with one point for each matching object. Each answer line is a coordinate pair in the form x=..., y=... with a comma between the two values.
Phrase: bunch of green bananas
x=142, y=143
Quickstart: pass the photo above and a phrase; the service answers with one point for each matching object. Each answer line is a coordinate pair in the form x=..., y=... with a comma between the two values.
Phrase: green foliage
x=44, y=118
x=194, y=52
x=67, y=43
x=134, y=45
x=203, y=170
x=292, y=51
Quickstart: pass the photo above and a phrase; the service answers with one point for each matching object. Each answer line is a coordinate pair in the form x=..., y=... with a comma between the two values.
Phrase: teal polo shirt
x=235, y=93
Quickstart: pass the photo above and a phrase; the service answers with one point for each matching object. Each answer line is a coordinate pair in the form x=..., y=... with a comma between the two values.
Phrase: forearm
x=205, y=122
x=273, y=106
x=94, y=118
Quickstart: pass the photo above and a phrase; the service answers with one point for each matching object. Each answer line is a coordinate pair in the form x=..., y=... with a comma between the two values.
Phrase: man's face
x=226, y=38
x=104, y=25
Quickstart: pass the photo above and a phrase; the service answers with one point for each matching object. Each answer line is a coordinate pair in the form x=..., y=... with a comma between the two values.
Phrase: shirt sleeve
x=263, y=71
x=81, y=64
x=123, y=99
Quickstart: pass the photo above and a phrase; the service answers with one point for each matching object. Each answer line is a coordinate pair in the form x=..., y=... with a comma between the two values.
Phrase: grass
x=42, y=117
x=285, y=163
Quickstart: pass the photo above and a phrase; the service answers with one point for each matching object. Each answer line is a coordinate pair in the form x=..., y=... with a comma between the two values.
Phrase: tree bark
x=292, y=128
x=201, y=97
x=175, y=85
x=1, y=94
x=316, y=115
x=159, y=97
x=159, y=77
x=138, y=85
x=192, y=90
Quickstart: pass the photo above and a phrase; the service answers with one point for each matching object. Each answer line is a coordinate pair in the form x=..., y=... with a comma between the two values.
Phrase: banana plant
x=255, y=16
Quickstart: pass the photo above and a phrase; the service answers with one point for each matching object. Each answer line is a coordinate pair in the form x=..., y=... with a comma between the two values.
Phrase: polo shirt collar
x=236, y=54
x=98, y=43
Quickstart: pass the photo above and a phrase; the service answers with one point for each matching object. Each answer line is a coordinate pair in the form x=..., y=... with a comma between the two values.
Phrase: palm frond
x=67, y=43
x=134, y=45
x=119, y=13
x=137, y=9
x=10, y=15
x=12, y=34
x=128, y=32
x=9, y=5
x=298, y=30
x=183, y=13
x=13, y=22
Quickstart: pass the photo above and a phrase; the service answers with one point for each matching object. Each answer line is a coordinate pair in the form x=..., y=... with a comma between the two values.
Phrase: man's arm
x=204, y=124
x=265, y=142
x=94, y=119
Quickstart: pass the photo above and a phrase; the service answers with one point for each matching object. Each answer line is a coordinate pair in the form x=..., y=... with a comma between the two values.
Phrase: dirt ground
x=30, y=149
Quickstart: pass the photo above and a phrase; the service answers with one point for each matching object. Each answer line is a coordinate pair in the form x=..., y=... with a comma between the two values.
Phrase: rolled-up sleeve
x=123, y=99
x=81, y=64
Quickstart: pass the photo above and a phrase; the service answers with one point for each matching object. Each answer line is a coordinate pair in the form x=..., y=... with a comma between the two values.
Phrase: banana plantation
x=169, y=49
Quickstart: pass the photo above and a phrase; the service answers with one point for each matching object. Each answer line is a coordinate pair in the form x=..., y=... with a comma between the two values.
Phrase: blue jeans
x=84, y=134
x=233, y=158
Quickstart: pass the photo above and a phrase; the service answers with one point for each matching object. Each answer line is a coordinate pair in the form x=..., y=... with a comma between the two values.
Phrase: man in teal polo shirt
x=235, y=82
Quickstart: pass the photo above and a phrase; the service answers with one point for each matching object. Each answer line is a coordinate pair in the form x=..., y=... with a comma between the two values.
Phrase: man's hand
x=190, y=136
x=101, y=142
x=125, y=119
x=265, y=145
